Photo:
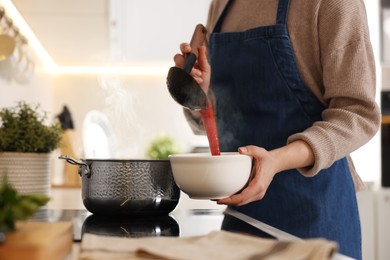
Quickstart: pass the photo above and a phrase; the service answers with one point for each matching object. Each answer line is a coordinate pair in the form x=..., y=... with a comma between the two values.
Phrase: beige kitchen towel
x=215, y=245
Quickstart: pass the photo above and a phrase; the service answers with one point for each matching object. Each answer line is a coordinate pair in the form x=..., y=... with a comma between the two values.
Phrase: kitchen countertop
x=188, y=219
x=179, y=223
x=188, y=222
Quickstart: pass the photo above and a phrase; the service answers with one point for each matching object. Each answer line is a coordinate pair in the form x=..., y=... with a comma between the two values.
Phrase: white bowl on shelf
x=203, y=176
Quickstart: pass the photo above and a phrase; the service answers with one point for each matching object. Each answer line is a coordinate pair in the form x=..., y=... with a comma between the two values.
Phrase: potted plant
x=26, y=143
x=15, y=207
x=161, y=147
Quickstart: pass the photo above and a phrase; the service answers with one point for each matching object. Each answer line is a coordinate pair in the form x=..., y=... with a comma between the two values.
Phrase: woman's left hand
x=266, y=164
x=263, y=171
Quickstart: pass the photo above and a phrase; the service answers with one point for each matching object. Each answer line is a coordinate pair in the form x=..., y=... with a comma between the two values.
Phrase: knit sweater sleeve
x=352, y=116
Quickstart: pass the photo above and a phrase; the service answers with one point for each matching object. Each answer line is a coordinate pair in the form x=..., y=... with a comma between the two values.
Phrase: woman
x=294, y=86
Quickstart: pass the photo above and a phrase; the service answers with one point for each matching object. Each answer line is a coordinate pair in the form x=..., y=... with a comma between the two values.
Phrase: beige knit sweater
x=330, y=39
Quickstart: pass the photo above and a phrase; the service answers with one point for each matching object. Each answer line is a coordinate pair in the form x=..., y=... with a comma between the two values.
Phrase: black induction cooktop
x=181, y=223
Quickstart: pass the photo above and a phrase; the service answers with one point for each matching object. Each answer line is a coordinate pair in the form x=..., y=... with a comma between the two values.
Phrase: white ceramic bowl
x=203, y=176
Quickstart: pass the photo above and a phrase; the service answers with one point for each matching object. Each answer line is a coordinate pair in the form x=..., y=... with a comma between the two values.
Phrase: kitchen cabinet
x=108, y=32
x=149, y=30
x=385, y=30
x=72, y=32
x=367, y=211
x=383, y=224
x=385, y=138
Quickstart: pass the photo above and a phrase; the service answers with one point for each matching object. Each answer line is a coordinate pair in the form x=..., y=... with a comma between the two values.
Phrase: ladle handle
x=197, y=40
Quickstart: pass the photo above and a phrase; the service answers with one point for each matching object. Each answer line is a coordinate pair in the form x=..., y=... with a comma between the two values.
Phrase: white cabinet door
x=150, y=30
x=367, y=209
x=383, y=224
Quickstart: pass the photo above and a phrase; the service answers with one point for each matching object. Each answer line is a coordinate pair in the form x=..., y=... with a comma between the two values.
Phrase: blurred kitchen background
x=107, y=61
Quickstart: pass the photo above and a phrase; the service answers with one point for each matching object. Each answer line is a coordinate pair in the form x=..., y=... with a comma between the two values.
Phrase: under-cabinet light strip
x=114, y=70
x=25, y=29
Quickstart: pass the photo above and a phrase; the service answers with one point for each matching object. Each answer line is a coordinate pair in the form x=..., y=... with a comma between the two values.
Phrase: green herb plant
x=161, y=147
x=22, y=129
x=14, y=206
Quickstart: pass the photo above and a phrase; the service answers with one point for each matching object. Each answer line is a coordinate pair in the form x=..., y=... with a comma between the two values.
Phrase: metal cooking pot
x=127, y=187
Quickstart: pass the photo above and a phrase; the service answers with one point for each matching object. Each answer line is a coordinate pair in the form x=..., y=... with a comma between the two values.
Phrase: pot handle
x=84, y=167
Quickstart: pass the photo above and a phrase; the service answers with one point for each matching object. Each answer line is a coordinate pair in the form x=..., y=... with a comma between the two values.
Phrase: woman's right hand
x=201, y=71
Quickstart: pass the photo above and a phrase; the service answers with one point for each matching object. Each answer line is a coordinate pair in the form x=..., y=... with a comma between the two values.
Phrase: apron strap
x=281, y=16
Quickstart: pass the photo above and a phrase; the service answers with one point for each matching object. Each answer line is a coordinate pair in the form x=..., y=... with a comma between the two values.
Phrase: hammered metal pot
x=127, y=187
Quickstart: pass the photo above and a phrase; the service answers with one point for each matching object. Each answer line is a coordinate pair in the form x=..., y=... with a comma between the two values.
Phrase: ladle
x=181, y=85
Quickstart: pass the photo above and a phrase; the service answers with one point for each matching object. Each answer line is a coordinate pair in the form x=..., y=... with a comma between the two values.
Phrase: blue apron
x=261, y=100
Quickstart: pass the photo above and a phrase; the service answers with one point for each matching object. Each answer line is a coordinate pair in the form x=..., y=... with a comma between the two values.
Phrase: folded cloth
x=215, y=245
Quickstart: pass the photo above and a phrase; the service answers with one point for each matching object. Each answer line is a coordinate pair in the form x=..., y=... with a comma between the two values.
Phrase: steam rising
x=120, y=110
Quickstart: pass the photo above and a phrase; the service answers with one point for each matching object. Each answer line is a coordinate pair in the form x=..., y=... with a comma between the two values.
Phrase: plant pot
x=27, y=172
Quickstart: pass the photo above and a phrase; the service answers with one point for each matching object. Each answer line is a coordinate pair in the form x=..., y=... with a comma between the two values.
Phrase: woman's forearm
x=297, y=154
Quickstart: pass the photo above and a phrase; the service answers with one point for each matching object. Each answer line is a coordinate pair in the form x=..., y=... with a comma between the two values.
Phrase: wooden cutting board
x=38, y=240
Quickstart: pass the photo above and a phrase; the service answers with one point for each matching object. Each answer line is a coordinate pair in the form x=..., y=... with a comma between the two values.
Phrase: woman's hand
x=266, y=164
x=263, y=171
x=201, y=71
